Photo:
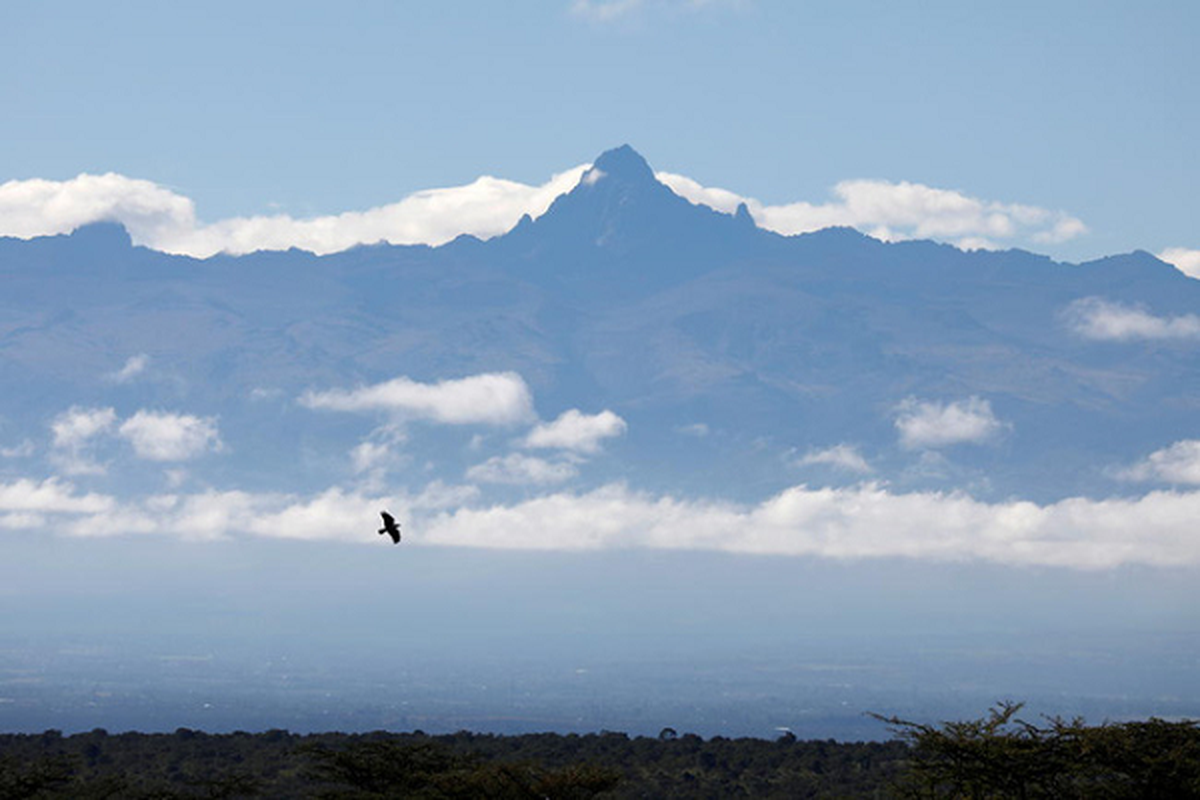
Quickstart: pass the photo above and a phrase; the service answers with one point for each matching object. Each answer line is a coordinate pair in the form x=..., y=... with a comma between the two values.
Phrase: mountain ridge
x=626, y=296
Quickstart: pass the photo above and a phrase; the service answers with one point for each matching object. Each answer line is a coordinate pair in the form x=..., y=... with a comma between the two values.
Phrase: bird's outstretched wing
x=390, y=527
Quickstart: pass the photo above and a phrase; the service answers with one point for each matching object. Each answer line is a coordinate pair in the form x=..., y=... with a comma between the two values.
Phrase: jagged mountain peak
x=620, y=211
x=623, y=164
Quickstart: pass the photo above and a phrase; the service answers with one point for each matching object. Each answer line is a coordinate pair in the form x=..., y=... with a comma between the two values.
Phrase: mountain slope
x=624, y=296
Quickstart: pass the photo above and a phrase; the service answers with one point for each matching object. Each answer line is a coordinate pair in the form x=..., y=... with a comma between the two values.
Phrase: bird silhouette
x=390, y=527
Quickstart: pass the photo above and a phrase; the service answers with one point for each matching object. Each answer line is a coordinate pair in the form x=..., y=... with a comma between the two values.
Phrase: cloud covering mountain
x=164, y=220
x=620, y=358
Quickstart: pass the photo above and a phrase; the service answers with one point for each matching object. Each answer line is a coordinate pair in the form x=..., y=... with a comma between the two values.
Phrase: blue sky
x=1083, y=109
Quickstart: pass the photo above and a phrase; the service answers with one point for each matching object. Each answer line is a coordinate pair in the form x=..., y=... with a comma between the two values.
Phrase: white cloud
x=605, y=10
x=164, y=220
x=160, y=436
x=861, y=522
x=370, y=455
x=160, y=219
x=574, y=430
x=333, y=514
x=22, y=450
x=135, y=366
x=375, y=454
x=865, y=521
x=894, y=211
x=843, y=456
x=1185, y=260
x=73, y=432
x=438, y=496
x=612, y=10
x=933, y=424
x=498, y=398
x=521, y=469
x=1097, y=318
x=49, y=496
x=1179, y=463
x=76, y=426
x=42, y=208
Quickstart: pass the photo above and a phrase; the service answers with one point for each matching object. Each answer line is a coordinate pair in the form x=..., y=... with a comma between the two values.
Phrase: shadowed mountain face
x=730, y=351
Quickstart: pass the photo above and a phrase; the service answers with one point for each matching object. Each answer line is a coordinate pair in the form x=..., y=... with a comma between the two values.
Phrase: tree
x=1000, y=756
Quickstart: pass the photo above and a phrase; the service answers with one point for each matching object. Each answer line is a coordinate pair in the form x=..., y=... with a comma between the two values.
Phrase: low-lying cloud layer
x=165, y=220
x=865, y=521
x=893, y=211
x=555, y=510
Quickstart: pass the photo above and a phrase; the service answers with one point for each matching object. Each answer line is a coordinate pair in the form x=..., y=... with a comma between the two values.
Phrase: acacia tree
x=1000, y=756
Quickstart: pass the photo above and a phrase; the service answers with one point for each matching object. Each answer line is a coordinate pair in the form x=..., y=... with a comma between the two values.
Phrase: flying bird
x=390, y=527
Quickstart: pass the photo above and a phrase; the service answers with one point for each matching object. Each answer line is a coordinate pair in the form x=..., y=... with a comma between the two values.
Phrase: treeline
x=278, y=764
x=996, y=756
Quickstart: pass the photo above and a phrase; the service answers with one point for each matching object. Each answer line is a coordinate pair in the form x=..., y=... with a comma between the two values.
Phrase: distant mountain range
x=731, y=360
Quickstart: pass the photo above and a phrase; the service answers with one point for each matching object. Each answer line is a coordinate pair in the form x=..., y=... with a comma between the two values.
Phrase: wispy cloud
x=520, y=469
x=612, y=10
x=498, y=398
x=605, y=10
x=23, y=450
x=1102, y=320
x=574, y=430
x=134, y=366
x=933, y=424
x=894, y=211
x=1185, y=260
x=843, y=457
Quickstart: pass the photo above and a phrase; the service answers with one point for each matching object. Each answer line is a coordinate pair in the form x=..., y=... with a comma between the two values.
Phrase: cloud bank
x=860, y=522
x=164, y=220
x=895, y=211
x=863, y=521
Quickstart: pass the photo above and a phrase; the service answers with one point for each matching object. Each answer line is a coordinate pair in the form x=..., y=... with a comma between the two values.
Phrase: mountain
x=731, y=352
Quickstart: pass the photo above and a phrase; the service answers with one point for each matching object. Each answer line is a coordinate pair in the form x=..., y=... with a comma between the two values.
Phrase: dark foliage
x=1000, y=756
x=278, y=764
x=996, y=756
